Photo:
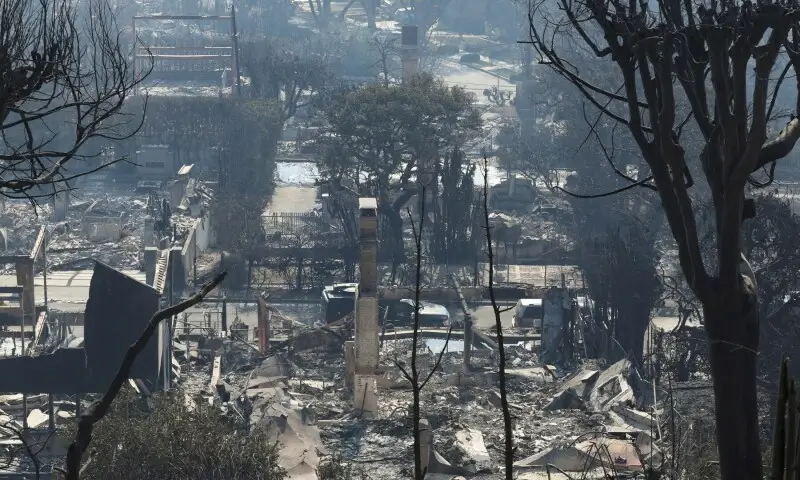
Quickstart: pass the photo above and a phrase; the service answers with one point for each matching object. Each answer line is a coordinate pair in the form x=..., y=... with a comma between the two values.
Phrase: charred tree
x=703, y=51
x=414, y=376
x=508, y=428
x=64, y=76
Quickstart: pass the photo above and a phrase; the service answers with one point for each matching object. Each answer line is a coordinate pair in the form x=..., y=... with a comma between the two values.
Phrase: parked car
x=430, y=314
x=528, y=314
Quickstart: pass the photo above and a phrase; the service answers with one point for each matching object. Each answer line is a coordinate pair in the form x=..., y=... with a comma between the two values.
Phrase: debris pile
x=589, y=420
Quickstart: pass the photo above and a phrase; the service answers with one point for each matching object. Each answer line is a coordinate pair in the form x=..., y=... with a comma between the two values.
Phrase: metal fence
x=292, y=224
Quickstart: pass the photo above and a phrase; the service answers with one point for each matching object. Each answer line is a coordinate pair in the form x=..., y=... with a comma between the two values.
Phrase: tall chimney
x=409, y=44
x=365, y=394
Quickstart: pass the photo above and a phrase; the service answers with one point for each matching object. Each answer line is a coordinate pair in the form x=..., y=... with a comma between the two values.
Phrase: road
x=292, y=199
x=295, y=191
x=475, y=81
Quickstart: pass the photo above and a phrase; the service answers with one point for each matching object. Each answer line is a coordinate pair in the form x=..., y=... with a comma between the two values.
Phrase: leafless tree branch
x=64, y=80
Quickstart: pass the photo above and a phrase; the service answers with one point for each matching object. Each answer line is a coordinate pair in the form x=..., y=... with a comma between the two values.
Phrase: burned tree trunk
x=733, y=336
x=630, y=328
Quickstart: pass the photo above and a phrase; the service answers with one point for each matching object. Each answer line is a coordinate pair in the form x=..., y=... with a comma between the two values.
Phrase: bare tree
x=413, y=377
x=499, y=98
x=508, y=453
x=31, y=445
x=63, y=80
x=705, y=49
x=385, y=48
x=86, y=423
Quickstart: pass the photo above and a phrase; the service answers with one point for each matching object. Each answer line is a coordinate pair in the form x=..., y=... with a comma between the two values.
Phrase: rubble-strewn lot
x=108, y=226
x=592, y=419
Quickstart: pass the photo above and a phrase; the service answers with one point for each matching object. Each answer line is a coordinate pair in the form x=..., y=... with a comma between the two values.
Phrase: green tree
x=616, y=248
x=285, y=73
x=770, y=243
x=379, y=138
x=456, y=232
x=163, y=439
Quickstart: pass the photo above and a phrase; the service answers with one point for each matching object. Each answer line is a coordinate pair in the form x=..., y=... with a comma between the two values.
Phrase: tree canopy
x=167, y=440
x=291, y=76
x=379, y=138
x=379, y=131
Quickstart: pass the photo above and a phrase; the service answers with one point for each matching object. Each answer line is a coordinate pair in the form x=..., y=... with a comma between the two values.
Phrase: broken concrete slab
x=600, y=391
x=439, y=464
x=37, y=418
x=568, y=459
x=535, y=374
x=300, y=443
x=635, y=419
x=575, y=389
x=274, y=366
x=566, y=400
x=470, y=443
x=617, y=384
x=619, y=454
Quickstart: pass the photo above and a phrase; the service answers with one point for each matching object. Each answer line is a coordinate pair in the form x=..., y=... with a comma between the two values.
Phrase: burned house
x=117, y=311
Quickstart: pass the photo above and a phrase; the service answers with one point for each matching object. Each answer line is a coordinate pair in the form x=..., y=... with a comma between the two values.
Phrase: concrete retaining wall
x=199, y=239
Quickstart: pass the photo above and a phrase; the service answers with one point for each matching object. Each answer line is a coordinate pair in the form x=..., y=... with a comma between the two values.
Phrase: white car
x=528, y=314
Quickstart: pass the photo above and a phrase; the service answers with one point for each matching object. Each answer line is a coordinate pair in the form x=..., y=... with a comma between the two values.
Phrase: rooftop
x=67, y=290
x=367, y=203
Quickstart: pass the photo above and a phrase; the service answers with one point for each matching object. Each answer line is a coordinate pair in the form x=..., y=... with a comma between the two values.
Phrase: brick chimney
x=366, y=311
